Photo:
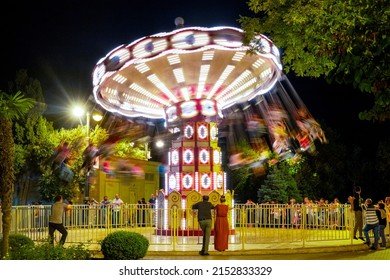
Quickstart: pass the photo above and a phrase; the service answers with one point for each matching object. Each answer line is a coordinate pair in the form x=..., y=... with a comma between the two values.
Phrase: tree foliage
x=50, y=183
x=280, y=185
x=12, y=107
x=34, y=143
x=344, y=41
x=31, y=135
x=127, y=149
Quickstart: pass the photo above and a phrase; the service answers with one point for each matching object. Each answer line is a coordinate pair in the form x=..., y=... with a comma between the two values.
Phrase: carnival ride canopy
x=151, y=76
x=207, y=72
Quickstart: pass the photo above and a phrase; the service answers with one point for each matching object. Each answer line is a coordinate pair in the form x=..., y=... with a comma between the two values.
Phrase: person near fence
x=221, y=225
x=204, y=208
x=291, y=211
x=68, y=214
x=382, y=223
x=93, y=211
x=38, y=215
x=105, y=207
x=372, y=223
x=55, y=220
x=116, y=207
x=152, y=204
x=358, y=213
x=309, y=209
x=387, y=208
x=250, y=212
x=152, y=200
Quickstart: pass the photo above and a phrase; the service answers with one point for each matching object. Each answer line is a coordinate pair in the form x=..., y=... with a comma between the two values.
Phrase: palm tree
x=12, y=107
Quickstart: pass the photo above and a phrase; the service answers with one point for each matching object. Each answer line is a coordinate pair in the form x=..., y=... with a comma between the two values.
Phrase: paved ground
x=347, y=255
x=337, y=250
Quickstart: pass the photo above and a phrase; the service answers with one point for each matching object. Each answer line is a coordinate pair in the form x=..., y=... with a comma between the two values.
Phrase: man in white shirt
x=116, y=204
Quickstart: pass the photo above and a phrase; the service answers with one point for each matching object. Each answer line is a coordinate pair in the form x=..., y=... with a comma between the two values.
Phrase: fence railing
x=249, y=225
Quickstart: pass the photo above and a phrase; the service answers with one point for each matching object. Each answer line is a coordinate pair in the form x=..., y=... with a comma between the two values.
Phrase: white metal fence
x=253, y=224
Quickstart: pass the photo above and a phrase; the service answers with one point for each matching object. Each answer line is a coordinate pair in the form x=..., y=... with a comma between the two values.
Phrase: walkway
x=329, y=250
x=333, y=247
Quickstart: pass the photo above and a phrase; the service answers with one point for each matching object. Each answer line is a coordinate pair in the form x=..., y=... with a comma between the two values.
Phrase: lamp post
x=79, y=112
x=88, y=126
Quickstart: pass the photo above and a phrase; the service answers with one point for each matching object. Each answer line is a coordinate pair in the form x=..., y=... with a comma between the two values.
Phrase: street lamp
x=79, y=111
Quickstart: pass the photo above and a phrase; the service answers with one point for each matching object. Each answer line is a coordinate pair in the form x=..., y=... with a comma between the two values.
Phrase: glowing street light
x=97, y=116
x=79, y=111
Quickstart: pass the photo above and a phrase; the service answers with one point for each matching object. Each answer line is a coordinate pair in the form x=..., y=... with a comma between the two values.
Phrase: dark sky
x=59, y=43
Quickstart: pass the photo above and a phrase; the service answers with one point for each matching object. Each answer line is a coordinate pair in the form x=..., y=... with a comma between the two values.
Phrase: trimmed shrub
x=19, y=246
x=23, y=248
x=46, y=251
x=124, y=245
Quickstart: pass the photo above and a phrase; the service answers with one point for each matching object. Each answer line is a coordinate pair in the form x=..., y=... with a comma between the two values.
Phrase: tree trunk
x=7, y=179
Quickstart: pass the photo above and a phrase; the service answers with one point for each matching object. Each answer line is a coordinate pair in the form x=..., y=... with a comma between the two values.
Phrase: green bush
x=124, y=245
x=23, y=248
x=46, y=251
x=19, y=246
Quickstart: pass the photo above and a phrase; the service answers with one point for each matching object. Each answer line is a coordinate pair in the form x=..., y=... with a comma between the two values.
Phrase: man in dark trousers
x=55, y=220
x=358, y=213
x=204, y=219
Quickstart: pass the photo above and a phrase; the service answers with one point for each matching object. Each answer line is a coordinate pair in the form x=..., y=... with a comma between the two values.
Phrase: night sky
x=59, y=43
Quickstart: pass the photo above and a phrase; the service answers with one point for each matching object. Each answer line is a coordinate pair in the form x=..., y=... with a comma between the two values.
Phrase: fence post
x=303, y=225
x=174, y=228
x=243, y=226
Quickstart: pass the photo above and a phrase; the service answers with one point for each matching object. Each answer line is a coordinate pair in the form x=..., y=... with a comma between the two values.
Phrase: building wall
x=131, y=184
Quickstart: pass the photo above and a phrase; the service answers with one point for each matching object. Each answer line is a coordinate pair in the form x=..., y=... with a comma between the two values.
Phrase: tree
x=323, y=174
x=34, y=143
x=279, y=185
x=12, y=107
x=126, y=149
x=344, y=41
x=31, y=135
x=50, y=181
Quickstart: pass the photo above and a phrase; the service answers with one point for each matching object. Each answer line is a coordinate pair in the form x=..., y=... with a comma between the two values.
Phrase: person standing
x=382, y=223
x=55, y=220
x=204, y=208
x=104, y=208
x=152, y=200
x=153, y=206
x=290, y=222
x=372, y=223
x=387, y=208
x=358, y=214
x=221, y=226
x=116, y=207
x=141, y=212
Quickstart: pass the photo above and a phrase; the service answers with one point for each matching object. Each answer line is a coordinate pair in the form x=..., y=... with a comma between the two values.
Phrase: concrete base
x=184, y=232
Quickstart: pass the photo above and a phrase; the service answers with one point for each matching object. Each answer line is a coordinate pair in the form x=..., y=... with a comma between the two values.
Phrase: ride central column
x=195, y=159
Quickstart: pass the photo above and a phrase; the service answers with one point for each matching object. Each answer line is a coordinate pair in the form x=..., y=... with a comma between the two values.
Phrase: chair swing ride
x=199, y=80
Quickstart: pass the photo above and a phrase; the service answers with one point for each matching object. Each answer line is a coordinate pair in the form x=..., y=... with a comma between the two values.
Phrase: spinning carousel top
x=185, y=73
